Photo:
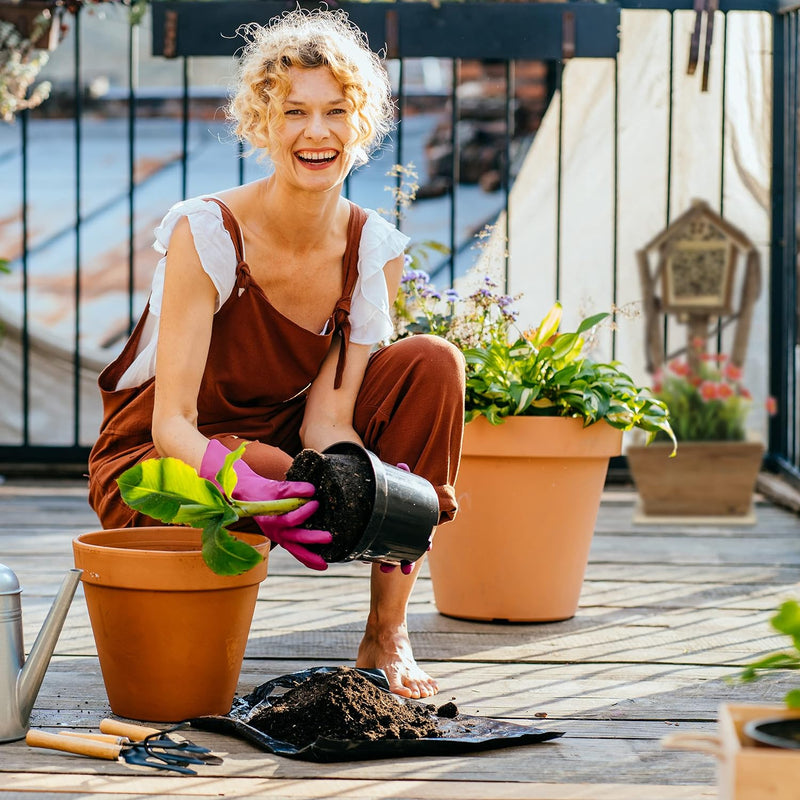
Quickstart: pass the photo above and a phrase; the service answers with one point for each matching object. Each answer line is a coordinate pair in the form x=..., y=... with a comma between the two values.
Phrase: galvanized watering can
x=20, y=679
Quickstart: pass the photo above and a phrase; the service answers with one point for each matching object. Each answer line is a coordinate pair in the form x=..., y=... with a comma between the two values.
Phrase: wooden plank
x=72, y=693
x=72, y=787
x=648, y=651
x=578, y=760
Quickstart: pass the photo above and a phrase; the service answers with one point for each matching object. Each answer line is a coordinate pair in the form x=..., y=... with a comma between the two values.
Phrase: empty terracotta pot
x=170, y=633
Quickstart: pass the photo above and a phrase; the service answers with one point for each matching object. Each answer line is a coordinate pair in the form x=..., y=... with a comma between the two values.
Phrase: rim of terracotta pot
x=541, y=437
x=165, y=558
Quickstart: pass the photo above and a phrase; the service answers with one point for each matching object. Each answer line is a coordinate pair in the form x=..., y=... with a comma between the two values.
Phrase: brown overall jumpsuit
x=410, y=407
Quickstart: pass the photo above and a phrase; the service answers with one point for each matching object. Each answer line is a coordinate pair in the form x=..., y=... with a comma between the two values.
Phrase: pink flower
x=698, y=343
x=679, y=367
x=724, y=391
x=745, y=393
x=733, y=373
x=771, y=406
x=709, y=390
x=657, y=386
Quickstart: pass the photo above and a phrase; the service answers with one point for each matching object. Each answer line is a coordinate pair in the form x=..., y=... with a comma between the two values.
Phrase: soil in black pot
x=344, y=705
x=345, y=490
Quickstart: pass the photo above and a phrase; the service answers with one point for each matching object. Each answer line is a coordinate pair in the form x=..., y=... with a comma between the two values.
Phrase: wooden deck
x=667, y=613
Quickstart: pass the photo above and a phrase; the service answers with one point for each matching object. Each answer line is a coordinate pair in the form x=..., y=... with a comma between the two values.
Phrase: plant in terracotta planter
x=717, y=464
x=756, y=745
x=541, y=372
x=787, y=621
x=543, y=420
x=709, y=404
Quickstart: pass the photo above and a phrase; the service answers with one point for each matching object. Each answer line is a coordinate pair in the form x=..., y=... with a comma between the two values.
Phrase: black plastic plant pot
x=405, y=509
x=775, y=732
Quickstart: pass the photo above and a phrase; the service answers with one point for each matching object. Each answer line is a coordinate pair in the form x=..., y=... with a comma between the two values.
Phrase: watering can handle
x=73, y=744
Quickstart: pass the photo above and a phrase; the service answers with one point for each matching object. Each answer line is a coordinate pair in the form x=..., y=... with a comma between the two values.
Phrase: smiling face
x=310, y=145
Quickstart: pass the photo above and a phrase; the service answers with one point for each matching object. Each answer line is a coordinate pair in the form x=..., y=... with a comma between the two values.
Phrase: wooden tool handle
x=73, y=744
x=133, y=732
x=99, y=737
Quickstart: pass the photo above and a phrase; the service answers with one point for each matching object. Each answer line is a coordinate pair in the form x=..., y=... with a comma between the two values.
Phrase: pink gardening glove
x=406, y=567
x=282, y=528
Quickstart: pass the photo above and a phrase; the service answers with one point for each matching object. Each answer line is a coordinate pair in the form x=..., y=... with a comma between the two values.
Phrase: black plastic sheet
x=461, y=734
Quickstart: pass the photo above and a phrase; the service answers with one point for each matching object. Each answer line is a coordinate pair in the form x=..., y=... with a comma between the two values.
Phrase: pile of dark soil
x=345, y=491
x=344, y=705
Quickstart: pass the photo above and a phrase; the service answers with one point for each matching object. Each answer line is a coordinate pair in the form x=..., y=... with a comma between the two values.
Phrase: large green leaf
x=225, y=554
x=170, y=490
x=227, y=477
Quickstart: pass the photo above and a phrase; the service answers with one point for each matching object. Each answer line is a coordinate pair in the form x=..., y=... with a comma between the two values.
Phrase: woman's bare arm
x=187, y=313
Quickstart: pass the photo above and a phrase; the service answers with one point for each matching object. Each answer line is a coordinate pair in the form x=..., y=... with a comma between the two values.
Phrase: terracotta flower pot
x=703, y=479
x=528, y=491
x=170, y=633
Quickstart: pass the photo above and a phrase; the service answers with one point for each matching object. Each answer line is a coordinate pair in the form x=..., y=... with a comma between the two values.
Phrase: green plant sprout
x=171, y=491
x=787, y=621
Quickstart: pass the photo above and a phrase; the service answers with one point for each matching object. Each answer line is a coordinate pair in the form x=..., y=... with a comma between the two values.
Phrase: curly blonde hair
x=309, y=39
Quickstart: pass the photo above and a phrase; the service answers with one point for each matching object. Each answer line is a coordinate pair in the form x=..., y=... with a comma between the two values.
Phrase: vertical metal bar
x=724, y=107
x=778, y=367
x=507, y=139
x=240, y=160
x=76, y=364
x=670, y=110
x=398, y=153
x=615, y=213
x=26, y=369
x=790, y=269
x=456, y=168
x=670, y=127
x=133, y=40
x=722, y=144
x=185, y=129
x=559, y=168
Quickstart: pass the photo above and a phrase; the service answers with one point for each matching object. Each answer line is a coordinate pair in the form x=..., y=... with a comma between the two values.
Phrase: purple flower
x=452, y=296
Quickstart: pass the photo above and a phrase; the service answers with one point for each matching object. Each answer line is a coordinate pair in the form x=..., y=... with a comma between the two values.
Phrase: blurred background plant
x=706, y=404
x=29, y=31
x=787, y=621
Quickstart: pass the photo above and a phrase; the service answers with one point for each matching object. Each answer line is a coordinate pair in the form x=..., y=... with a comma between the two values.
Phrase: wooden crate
x=745, y=769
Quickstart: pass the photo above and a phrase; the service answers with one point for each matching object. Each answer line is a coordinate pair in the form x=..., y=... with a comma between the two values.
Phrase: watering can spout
x=33, y=670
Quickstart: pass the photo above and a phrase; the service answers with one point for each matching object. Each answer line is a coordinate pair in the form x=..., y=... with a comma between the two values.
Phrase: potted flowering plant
x=715, y=470
x=543, y=420
x=756, y=744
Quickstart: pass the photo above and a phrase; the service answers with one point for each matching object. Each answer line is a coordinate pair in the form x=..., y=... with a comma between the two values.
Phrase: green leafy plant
x=787, y=621
x=707, y=403
x=540, y=372
x=171, y=491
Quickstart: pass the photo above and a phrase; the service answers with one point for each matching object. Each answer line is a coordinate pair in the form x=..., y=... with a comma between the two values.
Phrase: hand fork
x=111, y=748
x=155, y=738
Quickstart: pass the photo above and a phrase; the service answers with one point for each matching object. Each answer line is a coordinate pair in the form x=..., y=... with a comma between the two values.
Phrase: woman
x=266, y=310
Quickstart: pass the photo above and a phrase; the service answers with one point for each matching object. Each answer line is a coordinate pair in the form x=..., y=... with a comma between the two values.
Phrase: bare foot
x=390, y=650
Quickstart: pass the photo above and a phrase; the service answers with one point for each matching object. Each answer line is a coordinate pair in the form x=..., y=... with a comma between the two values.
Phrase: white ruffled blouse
x=370, y=322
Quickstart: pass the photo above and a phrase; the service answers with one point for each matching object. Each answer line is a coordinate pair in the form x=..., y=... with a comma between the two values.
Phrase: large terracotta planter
x=710, y=479
x=170, y=633
x=528, y=491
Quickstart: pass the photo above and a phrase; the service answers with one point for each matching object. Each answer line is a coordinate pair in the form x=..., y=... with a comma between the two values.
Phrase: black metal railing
x=458, y=35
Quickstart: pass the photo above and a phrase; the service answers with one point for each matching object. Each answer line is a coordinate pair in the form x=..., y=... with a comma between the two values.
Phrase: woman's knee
x=433, y=354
